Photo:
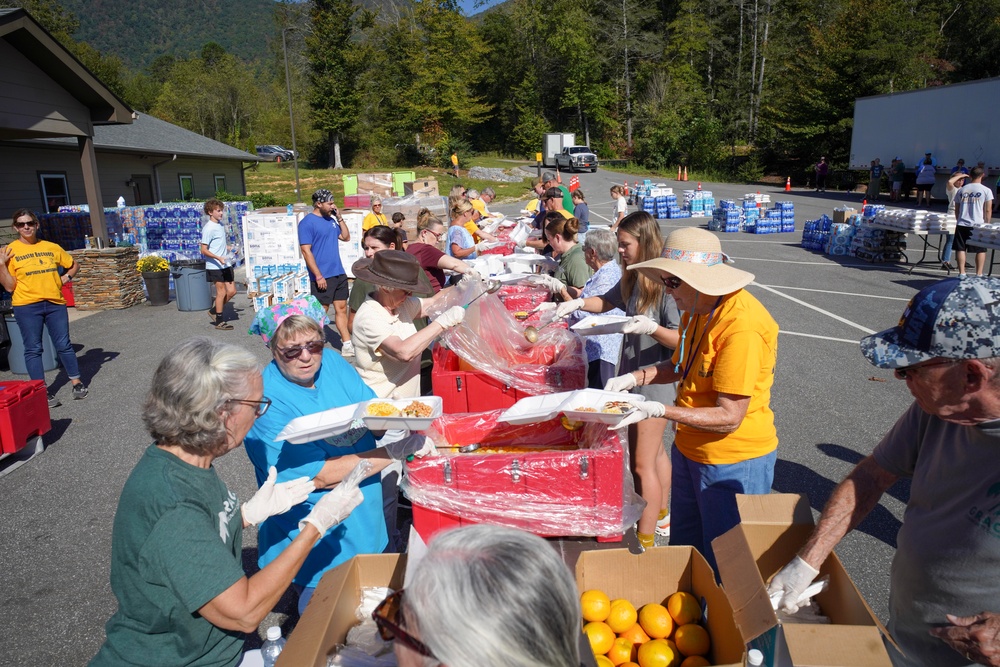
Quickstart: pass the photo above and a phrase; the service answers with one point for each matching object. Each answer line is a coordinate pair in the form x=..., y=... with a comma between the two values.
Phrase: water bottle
x=289, y=209
x=755, y=658
x=271, y=649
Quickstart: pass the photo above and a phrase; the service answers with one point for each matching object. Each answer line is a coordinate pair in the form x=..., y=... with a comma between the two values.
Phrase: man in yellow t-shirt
x=454, y=164
x=726, y=442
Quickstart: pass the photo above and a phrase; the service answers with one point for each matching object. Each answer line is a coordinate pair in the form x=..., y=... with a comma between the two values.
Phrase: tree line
x=731, y=86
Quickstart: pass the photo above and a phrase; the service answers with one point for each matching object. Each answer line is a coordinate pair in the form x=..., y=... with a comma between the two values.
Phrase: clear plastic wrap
x=550, y=478
x=490, y=340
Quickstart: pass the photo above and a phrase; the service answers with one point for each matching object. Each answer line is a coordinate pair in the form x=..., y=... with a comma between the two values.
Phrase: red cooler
x=24, y=413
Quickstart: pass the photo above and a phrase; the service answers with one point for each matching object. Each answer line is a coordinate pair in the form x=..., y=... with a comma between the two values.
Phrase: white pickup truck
x=576, y=158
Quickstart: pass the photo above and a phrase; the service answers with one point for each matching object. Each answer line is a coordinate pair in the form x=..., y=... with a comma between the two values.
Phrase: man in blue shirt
x=319, y=236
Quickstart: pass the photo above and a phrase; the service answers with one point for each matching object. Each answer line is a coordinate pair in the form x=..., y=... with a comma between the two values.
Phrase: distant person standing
x=875, y=179
x=218, y=271
x=973, y=207
x=621, y=206
x=375, y=216
x=926, y=174
x=951, y=191
x=822, y=168
x=898, y=175
x=319, y=236
x=581, y=211
x=959, y=168
x=454, y=164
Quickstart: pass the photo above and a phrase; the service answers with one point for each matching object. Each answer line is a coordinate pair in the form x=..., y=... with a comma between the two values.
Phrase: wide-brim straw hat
x=394, y=269
x=695, y=256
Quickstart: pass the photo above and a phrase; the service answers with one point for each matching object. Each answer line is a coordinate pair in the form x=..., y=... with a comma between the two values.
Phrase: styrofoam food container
x=409, y=423
x=533, y=409
x=596, y=325
x=318, y=425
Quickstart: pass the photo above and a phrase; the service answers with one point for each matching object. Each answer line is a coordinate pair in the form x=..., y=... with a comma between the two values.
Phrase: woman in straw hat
x=650, y=337
x=724, y=366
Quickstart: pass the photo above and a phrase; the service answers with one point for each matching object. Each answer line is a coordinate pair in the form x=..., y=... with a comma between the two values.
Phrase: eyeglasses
x=673, y=282
x=260, y=407
x=437, y=235
x=30, y=223
x=295, y=351
x=388, y=620
x=911, y=371
x=374, y=205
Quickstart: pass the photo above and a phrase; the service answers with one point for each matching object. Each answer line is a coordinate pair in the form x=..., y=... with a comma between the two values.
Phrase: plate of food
x=533, y=409
x=318, y=425
x=596, y=325
x=414, y=414
x=594, y=405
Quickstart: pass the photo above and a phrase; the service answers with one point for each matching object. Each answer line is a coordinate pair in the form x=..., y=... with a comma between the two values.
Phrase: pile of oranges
x=655, y=635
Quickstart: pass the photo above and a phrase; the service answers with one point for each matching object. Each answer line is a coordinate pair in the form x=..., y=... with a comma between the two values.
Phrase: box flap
x=775, y=508
x=743, y=585
x=835, y=646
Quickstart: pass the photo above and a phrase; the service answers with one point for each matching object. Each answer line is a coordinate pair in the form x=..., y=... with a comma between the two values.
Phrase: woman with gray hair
x=376, y=217
x=177, y=542
x=486, y=596
x=600, y=251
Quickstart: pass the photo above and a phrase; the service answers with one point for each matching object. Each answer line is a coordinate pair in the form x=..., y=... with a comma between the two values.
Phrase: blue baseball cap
x=956, y=318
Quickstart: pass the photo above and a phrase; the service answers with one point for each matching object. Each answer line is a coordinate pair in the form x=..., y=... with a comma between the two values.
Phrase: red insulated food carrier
x=543, y=478
x=468, y=390
x=24, y=413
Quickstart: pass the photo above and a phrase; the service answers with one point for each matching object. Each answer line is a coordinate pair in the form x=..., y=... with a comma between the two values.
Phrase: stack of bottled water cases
x=840, y=238
x=173, y=231
x=727, y=217
x=751, y=213
x=70, y=227
x=698, y=203
x=816, y=233
x=877, y=245
x=787, y=211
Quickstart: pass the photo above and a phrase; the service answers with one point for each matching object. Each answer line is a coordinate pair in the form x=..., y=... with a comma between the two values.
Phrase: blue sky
x=469, y=7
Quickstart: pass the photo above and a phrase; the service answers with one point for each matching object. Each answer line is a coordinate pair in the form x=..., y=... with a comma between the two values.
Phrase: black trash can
x=193, y=291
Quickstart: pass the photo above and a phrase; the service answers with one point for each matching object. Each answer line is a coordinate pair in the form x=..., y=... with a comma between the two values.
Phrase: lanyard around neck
x=694, y=353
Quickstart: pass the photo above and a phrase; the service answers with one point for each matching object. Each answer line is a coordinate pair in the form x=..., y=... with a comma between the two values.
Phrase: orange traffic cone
x=679, y=173
x=699, y=186
x=558, y=176
x=626, y=188
x=685, y=174
x=788, y=184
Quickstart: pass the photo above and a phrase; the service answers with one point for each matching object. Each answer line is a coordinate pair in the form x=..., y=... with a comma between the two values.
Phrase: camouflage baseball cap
x=322, y=196
x=956, y=318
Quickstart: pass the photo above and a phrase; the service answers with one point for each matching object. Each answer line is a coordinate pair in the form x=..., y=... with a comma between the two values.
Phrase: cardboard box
x=653, y=576
x=772, y=530
x=424, y=188
x=330, y=613
x=841, y=216
x=375, y=184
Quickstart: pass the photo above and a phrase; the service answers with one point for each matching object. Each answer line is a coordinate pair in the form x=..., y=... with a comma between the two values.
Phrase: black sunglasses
x=673, y=282
x=911, y=371
x=30, y=223
x=260, y=407
x=294, y=352
x=387, y=618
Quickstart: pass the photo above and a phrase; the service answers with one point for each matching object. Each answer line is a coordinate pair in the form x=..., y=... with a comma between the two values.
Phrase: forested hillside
x=736, y=86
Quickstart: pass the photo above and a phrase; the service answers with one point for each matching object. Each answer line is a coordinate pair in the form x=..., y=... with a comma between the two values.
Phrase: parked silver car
x=271, y=153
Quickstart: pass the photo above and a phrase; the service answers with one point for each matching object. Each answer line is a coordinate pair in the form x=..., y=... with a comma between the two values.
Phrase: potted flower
x=155, y=272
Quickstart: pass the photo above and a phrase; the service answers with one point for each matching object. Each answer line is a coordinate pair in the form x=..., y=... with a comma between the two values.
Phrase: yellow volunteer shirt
x=479, y=205
x=533, y=205
x=473, y=229
x=736, y=355
x=373, y=220
x=36, y=268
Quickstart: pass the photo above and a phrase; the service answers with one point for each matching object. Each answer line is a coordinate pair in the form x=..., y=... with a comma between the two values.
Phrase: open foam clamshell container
x=772, y=529
x=656, y=574
x=330, y=613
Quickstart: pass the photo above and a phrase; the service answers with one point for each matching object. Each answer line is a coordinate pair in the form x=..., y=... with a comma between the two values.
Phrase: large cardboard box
x=425, y=188
x=330, y=613
x=772, y=529
x=842, y=215
x=375, y=184
x=653, y=576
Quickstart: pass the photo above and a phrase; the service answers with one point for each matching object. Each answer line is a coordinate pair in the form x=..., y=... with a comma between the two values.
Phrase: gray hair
x=514, y=580
x=488, y=192
x=292, y=326
x=186, y=404
x=472, y=193
x=375, y=199
x=603, y=242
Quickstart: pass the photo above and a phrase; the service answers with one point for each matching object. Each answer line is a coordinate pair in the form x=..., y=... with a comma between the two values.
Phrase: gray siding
x=33, y=102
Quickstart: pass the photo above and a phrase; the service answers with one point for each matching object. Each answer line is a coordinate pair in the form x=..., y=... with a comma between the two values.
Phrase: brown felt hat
x=394, y=269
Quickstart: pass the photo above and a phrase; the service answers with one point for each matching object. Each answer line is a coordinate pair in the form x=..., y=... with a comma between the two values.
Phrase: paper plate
x=318, y=425
x=533, y=409
x=408, y=423
x=596, y=325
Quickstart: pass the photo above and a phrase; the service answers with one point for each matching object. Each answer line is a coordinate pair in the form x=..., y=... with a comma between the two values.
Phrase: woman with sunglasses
x=29, y=270
x=374, y=217
x=304, y=377
x=177, y=542
x=434, y=262
x=650, y=338
x=511, y=586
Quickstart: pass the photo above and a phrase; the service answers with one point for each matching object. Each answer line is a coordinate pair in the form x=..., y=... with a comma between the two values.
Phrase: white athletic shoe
x=347, y=349
x=663, y=526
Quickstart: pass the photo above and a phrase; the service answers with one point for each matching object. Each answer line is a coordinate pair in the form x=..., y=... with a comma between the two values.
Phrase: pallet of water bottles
x=174, y=230
x=70, y=226
x=748, y=216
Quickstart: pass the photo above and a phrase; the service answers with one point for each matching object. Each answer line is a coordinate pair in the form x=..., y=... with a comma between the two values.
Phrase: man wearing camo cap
x=944, y=594
x=319, y=236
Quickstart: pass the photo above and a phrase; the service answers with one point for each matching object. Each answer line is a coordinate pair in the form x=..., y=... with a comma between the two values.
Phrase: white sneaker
x=347, y=349
x=663, y=526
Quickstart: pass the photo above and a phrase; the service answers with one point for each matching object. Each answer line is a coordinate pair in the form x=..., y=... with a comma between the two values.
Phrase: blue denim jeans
x=703, y=497
x=30, y=320
x=946, y=250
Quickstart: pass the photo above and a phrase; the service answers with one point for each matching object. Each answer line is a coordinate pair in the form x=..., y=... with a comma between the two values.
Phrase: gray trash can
x=193, y=291
x=15, y=356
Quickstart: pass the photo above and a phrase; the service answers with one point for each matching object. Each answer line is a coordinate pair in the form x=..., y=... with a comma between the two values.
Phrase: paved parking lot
x=831, y=408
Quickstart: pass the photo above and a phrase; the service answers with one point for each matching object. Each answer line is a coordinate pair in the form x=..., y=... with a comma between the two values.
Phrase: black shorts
x=226, y=275
x=961, y=241
x=336, y=290
x=924, y=187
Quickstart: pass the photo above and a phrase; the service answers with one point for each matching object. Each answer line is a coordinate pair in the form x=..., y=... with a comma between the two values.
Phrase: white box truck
x=553, y=145
x=951, y=122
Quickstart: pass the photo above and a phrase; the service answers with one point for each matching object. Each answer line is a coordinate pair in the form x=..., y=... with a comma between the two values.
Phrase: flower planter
x=157, y=287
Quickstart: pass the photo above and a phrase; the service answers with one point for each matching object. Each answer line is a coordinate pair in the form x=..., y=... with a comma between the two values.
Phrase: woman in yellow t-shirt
x=376, y=217
x=29, y=270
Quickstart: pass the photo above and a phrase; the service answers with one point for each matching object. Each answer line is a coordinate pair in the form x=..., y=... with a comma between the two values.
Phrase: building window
x=220, y=183
x=187, y=186
x=55, y=191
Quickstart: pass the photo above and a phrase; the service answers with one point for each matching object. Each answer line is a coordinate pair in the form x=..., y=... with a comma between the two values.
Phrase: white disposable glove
x=473, y=275
x=549, y=264
x=620, y=383
x=567, y=307
x=273, y=498
x=415, y=445
x=521, y=243
x=544, y=307
x=643, y=410
x=339, y=502
x=554, y=285
x=451, y=317
x=790, y=583
x=640, y=324
x=487, y=245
